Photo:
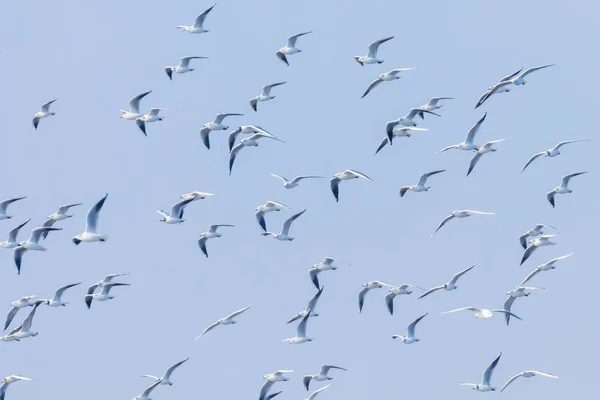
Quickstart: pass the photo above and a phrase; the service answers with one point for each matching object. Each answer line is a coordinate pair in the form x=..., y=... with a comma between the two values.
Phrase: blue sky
x=95, y=57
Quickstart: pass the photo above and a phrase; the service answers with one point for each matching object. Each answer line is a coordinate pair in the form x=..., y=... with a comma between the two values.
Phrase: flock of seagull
x=531, y=240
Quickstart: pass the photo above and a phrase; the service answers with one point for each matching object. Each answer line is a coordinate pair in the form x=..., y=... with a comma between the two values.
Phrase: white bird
x=486, y=148
x=534, y=232
x=91, y=223
x=371, y=57
x=433, y=105
x=104, y=294
x=563, y=188
x=527, y=374
x=321, y=376
x=460, y=214
x=265, y=95
x=134, y=107
x=228, y=320
x=43, y=113
x=483, y=313
x=410, y=336
x=56, y=301
x=166, y=378
x=450, y=285
x=366, y=287
x=504, y=89
x=145, y=395
x=467, y=144
x=211, y=233
x=485, y=385
x=276, y=376
x=552, y=152
x=289, y=184
x=183, y=67
x=325, y=265
x=407, y=120
x=405, y=288
x=245, y=130
x=30, y=244
x=310, y=307
x=316, y=392
x=261, y=210
x=176, y=214
x=290, y=47
x=301, y=332
x=398, y=131
x=7, y=381
x=386, y=77
x=544, y=267
x=152, y=116
x=107, y=279
x=11, y=242
x=26, y=301
x=344, y=176
x=284, y=234
x=543, y=240
x=195, y=195
x=215, y=125
x=4, y=205
x=59, y=215
x=521, y=291
x=420, y=186
x=252, y=141
x=198, y=26
x=23, y=331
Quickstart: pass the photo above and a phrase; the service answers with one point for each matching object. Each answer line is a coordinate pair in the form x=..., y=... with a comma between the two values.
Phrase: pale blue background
x=95, y=56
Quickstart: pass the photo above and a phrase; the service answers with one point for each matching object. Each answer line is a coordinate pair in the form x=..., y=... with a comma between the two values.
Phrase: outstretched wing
x=288, y=222
x=93, y=214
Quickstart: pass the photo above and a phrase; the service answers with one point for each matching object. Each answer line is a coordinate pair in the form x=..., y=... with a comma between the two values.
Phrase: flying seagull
x=195, y=195
x=166, y=378
x=344, y=176
x=146, y=393
x=4, y=205
x=543, y=240
x=30, y=244
x=321, y=376
x=410, y=336
x=290, y=47
x=43, y=113
x=59, y=215
x=433, y=105
x=544, y=267
x=420, y=186
x=366, y=287
x=276, y=376
x=23, y=331
x=183, y=67
x=289, y=184
x=521, y=291
x=211, y=233
x=176, y=214
x=245, y=130
x=486, y=148
x=90, y=234
x=528, y=374
x=405, y=288
x=563, y=188
x=485, y=385
x=252, y=141
x=134, y=107
x=284, y=234
x=386, y=77
x=301, y=332
x=198, y=26
x=7, y=381
x=553, y=152
x=152, y=116
x=26, y=301
x=104, y=294
x=398, y=131
x=326, y=264
x=534, y=232
x=11, y=242
x=56, y=301
x=265, y=95
x=460, y=214
x=261, y=210
x=215, y=125
x=450, y=285
x=371, y=57
x=407, y=120
x=468, y=144
x=483, y=313
x=310, y=307
x=504, y=89
x=228, y=320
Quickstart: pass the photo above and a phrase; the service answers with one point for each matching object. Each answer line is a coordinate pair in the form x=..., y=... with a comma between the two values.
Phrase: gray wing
x=232, y=137
x=10, y=316
x=532, y=159
x=200, y=18
x=511, y=381
x=173, y=367
x=507, y=313
x=383, y=143
x=360, y=174
x=4, y=204
x=306, y=381
x=220, y=117
x=134, y=104
x=142, y=125
x=202, y=245
x=511, y=76
x=373, y=47
x=59, y=292
x=507, y=305
x=461, y=273
x=492, y=91
x=411, y=327
x=233, y=154
x=389, y=301
x=291, y=41
x=36, y=233
x=560, y=144
x=208, y=328
x=334, y=184
x=267, y=89
x=533, y=69
x=177, y=209
x=282, y=57
x=185, y=61
x=361, y=298
x=150, y=388
x=238, y=312
x=106, y=288
x=63, y=209
x=527, y=253
x=550, y=197
x=204, y=135
x=265, y=389
x=254, y=103
x=371, y=86
x=92, y=288
x=424, y=177
x=18, y=257
x=325, y=369
x=523, y=240
x=302, y=325
x=314, y=276
x=433, y=289
x=487, y=375
x=27, y=323
x=12, y=235
x=389, y=130
x=567, y=178
x=474, y=162
x=46, y=106
x=260, y=218
x=474, y=129
x=444, y=221
x=312, y=304
x=531, y=275
x=93, y=214
x=288, y=222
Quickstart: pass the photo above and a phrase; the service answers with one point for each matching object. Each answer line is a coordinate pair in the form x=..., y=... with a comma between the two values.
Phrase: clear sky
x=95, y=56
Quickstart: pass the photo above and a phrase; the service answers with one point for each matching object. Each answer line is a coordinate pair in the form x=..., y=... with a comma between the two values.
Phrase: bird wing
x=507, y=305
x=265, y=389
x=63, y=209
x=531, y=275
x=520, y=374
x=221, y=116
x=533, y=69
x=462, y=309
x=567, y=178
x=10, y=316
x=361, y=298
x=201, y=17
x=172, y=368
x=507, y=313
x=213, y=228
x=487, y=375
x=233, y=154
x=300, y=177
x=371, y=86
x=335, y=188
x=302, y=325
x=208, y=328
x=492, y=91
x=474, y=129
x=106, y=288
x=411, y=327
x=546, y=374
x=266, y=90
x=134, y=103
x=314, y=276
x=4, y=204
x=474, y=162
x=59, y=292
x=559, y=145
x=202, y=245
x=383, y=143
x=142, y=125
x=150, y=388
x=433, y=289
x=511, y=76
x=288, y=222
x=282, y=57
x=12, y=234
x=316, y=392
x=414, y=111
x=533, y=158
x=424, y=177
x=359, y=174
x=461, y=273
x=444, y=221
x=373, y=47
x=312, y=304
x=36, y=233
x=389, y=301
x=434, y=100
x=550, y=197
x=254, y=103
x=306, y=381
x=260, y=218
x=238, y=312
x=18, y=257
x=27, y=323
x=204, y=135
x=93, y=214
x=46, y=106
x=528, y=252
x=291, y=41
x=177, y=208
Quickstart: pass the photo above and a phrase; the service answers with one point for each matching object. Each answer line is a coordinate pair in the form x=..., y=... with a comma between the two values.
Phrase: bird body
x=563, y=188
x=90, y=234
x=371, y=57
x=290, y=48
x=198, y=26
x=210, y=234
x=182, y=67
x=43, y=113
x=284, y=234
x=420, y=186
x=176, y=214
x=134, y=107
x=468, y=144
x=410, y=336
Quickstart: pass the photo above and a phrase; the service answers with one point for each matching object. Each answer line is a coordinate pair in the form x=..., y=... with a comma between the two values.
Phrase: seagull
x=433, y=105
x=265, y=95
x=326, y=264
x=397, y=291
x=544, y=267
x=7, y=381
x=26, y=301
x=290, y=47
x=365, y=289
x=183, y=67
x=553, y=152
x=228, y=320
x=4, y=204
x=316, y=392
x=386, y=77
x=23, y=331
x=467, y=144
x=176, y=215
x=59, y=215
x=486, y=148
x=321, y=376
x=261, y=210
x=212, y=233
x=90, y=235
x=195, y=195
x=398, y=131
x=152, y=116
x=252, y=141
x=420, y=186
x=215, y=125
x=11, y=242
x=56, y=300
x=371, y=57
x=563, y=188
x=407, y=120
x=146, y=393
x=294, y=182
x=198, y=26
x=516, y=80
x=485, y=385
x=543, y=240
x=460, y=214
x=107, y=279
x=410, y=338
x=104, y=294
x=43, y=113
x=284, y=234
x=134, y=107
x=344, y=176
x=536, y=231
x=244, y=130
x=166, y=379
x=30, y=244
x=504, y=89
x=276, y=376
x=483, y=313
x=521, y=291
x=527, y=374
x=301, y=332
x=450, y=285
x=310, y=307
